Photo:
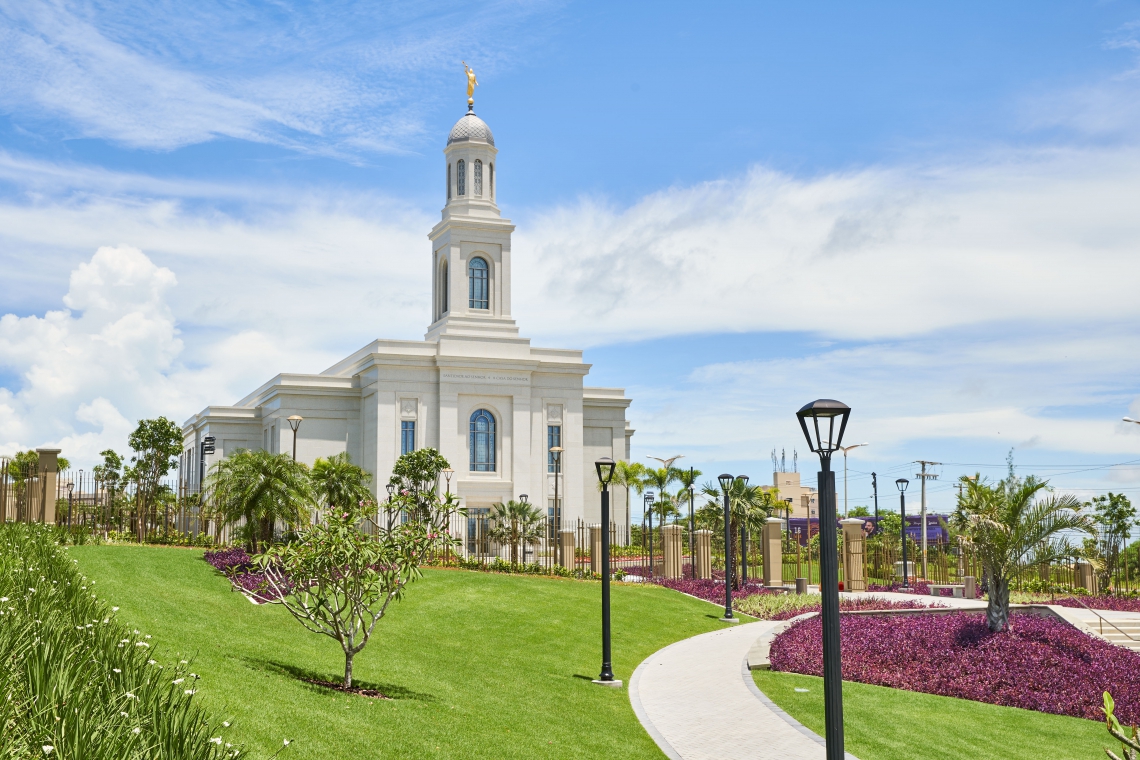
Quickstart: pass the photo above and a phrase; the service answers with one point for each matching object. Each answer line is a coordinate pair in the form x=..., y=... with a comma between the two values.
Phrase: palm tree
x=260, y=488
x=1012, y=529
x=516, y=523
x=659, y=478
x=748, y=507
x=341, y=485
x=628, y=475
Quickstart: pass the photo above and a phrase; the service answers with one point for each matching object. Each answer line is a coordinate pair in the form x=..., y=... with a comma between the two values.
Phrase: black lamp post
x=692, y=529
x=788, y=512
x=70, y=486
x=875, y=485
x=647, y=509
x=825, y=442
x=725, y=484
x=605, y=468
x=294, y=421
x=902, y=483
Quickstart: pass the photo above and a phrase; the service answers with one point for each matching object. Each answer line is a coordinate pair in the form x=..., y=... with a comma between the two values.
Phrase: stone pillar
x=773, y=547
x=596, y=549
x=673, y=555
x=702, y=547
x=853, y=577
x=566, y=547
x=1086, y=577
x=49, y=475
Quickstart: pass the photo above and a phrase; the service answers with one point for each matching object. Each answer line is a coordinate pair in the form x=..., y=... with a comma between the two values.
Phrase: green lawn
x=890, y=724
x=478, y=665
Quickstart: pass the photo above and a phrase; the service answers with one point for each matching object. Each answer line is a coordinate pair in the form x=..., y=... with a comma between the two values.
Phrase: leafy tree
x=748, y=506
x=860, y=512
x=516, y=524
x=630, y=476
x=687, y=479
x=1116, y=517
x=339, y=484
x=1013, y=527
x=338, y=581
x=157, y=444
x=416, y=477
x=260, y=488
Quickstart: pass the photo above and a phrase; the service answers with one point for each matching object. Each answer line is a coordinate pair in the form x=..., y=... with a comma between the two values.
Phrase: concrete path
x=698, y=701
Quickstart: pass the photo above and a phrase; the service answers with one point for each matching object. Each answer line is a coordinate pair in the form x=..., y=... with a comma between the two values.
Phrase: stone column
x=566, y=545
x=853, y=577
x=673, y=555
x=702, y=547
x=1086, y=577
x=49, y=475
x=773, y=552
x=596, y=549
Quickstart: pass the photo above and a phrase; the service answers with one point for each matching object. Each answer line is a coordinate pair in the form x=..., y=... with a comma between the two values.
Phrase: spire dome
x=471, y=129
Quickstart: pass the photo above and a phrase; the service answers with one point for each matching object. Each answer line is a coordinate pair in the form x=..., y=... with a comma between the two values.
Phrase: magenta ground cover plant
x=710, y=590
x=1100, y=602
x=236, y=565
x=1038, y=664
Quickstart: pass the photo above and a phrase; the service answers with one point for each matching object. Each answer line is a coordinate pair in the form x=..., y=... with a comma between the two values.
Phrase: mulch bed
x=372, y=693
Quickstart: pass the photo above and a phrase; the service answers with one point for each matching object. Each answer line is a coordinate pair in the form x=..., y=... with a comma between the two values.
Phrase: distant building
x=805, y=501
x=487, y=399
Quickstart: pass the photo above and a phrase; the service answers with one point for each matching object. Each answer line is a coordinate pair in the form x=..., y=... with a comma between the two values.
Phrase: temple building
x=473, y=388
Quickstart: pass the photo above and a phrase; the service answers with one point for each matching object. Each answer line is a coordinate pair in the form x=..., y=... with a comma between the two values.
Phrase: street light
x=788, y=511
x=647, y=509
x=70, y=486
x=902, y=483
x=447, y=472
x=725, y=484
x=845, y=449
x=826, y=442
x=294, y=421
x=391, y=489
x=605, y=468
x=875, y=485
x=692, y=529
x=558, y=558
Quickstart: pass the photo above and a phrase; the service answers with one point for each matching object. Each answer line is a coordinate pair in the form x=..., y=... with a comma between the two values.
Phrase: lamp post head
x=294, y=421
x=390, y=488
x=725, y=481
x=556, y=451
x=825, y=440
x=789, y=500
x=605, y=468
x=902, y=483
x=70, y=486
x=447, y=472
x=743, y=479
x=523, y=497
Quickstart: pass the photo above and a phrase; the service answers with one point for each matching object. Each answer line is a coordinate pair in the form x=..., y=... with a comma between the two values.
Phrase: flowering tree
x=339, y=581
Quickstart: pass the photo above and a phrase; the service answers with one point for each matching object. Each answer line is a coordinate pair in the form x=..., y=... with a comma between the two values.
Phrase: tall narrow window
x=478, y=178
x=449, y=181
x=461, y=177
x=491, y=181
x=482, y=441
x=553, y=438
x=407, y=436
x=444, y=287
x=479, y=287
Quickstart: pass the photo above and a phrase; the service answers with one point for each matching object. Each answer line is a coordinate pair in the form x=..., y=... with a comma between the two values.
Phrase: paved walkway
x=698, y=702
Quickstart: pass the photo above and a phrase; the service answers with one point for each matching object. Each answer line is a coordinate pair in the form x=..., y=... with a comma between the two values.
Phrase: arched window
x=461, y=177
x=478, y=178
x=449, y=181
x=444, y=285
x=478, y=287
x=482, y=441
x=491, y=181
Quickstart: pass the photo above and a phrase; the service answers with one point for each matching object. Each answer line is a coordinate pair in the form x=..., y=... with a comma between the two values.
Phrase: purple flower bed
x=236, y=565
x=1101, y=602
x=1038, y=664
x=710, y=590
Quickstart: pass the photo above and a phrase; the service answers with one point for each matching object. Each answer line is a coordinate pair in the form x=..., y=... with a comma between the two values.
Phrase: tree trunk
x=348, y=669
x=997, y=612
x=730, y=567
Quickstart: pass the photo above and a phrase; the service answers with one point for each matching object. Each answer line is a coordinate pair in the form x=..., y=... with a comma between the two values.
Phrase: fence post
x=773, y=552
x=853, y=577
x=596, y=549
x=672, y=537
x=703, y=549
x=566, y=547
x=49, y=475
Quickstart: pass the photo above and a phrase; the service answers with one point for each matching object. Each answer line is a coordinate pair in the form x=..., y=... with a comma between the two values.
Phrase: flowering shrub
x=785, y=606
x=710, y=590
x=235, y=564
x=1099, y=602
x=1037, y=663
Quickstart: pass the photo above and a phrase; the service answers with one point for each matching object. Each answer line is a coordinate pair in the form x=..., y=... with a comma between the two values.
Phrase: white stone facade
x=472, y=368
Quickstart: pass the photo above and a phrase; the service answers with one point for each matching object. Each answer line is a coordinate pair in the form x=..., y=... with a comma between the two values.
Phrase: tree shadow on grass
x=306, y=677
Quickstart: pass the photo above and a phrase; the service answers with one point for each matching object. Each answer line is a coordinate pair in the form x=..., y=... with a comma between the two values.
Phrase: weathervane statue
x=471, y=83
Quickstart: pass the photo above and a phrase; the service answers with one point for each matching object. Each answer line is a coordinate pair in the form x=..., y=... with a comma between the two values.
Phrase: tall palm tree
x=748, y=508
x=1012, y=528
x=341, y=485
x=630, y=475
x=660, y=478
x=262, y=488
x=516, y=523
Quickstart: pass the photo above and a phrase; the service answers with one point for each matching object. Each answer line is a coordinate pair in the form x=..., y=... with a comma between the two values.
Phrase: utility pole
x=924, y=475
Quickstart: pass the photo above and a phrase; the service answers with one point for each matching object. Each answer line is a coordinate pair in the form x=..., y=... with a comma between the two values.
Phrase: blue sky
x=926, y=210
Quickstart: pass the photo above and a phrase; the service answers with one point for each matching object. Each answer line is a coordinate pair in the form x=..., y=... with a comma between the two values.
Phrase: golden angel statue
x=471, y=83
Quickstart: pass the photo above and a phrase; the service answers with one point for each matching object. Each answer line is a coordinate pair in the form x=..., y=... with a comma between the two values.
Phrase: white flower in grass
x=179, y=680
x=135, y=730
x=33, y=591
x=47, y=749
x=147, y=636
x=226, y=723
x=189, y=691
x=184, y=662
x=3, y=598
x=216, y=740
x=124, y=641
x=131, y=696
x=125, y=715
x=114, y=609
x=116, y=670
x=105, y=620
x=151, y=662
x=141, y=644
x=120, y=646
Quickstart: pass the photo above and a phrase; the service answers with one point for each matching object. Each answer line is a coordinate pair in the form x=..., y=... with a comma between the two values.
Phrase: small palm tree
x=516, y=524
x=1011, y=528
x=630, y=475
x=748, y=507
x=341, y=485
x=262, y=488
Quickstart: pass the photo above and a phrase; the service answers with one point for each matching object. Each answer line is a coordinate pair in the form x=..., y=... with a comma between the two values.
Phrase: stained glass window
x=478, y=289
x=461, y=178
x=482, y=441
x=478, y=178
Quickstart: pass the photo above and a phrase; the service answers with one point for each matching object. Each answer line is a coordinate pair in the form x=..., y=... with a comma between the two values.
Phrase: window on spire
x=449, y=181
x=443, y=288
x=482, y=441
x=478, y=178
x=460, y=177
x=491, y=181
x=478, y=288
